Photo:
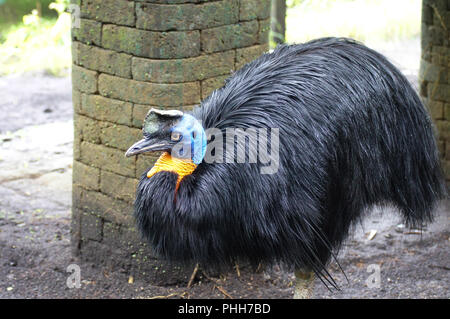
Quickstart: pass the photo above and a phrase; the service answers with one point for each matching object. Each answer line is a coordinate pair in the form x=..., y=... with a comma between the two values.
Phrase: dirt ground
x=36, y=136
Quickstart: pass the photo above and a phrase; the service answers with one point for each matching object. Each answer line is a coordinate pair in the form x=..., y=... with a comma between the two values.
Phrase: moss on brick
x=99, y=204
x=188, y=16
x=118, y=187
x=209, y=85
x=254, y=9
x=86, y=176
x=106, y=61
x=119, y=136
x=88, y=129
x=84, y=80
x=89, y=32
x=160, y=45
x=183, y=70
x=230, y=36
x=105, y=109
x=246, y=55
x=438, y=92
x=264, y=30
x=144, y=163
x=111, y=11
x=107, y=158
x=149, y=93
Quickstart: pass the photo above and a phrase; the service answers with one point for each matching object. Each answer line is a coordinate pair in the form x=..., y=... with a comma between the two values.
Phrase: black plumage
x=353, y=133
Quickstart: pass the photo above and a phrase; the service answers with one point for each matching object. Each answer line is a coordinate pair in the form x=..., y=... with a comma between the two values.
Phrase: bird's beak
x=147, y=145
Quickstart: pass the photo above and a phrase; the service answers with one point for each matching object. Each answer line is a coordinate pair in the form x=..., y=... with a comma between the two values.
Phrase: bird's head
x=173, y=131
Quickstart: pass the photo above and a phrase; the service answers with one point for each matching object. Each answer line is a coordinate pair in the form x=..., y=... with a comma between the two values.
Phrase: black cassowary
x=351, y=133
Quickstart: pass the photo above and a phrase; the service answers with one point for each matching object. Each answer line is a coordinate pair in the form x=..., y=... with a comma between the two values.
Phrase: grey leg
x=304, y=284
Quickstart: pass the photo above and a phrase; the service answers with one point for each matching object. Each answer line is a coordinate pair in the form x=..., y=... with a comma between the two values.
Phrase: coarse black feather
x=353, y=133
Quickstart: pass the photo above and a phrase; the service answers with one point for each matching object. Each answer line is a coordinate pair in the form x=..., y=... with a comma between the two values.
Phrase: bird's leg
x=304, y=284
x=194, y=273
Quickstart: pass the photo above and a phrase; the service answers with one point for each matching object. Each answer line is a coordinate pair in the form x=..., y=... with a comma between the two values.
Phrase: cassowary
x=341, y=130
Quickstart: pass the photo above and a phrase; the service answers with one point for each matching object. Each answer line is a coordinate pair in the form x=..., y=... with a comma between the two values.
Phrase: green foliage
x=37, y=43
x=11, y=11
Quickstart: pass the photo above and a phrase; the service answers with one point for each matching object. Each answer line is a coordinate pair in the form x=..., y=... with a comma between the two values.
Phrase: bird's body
x=352, y=133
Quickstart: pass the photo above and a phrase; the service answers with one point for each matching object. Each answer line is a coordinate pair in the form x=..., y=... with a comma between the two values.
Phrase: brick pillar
x=434, y=76
x=129, y=56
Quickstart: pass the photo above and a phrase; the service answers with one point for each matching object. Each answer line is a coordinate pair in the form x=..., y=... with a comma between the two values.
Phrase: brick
x=427, y=14
x=159, y=17
x=118, y=187
x=432, y=35
x=119, y=136
x=112, y=11
x=446, y=153
x=159, y=45
x=264, y=30
x=171, y=1
x=76, y=142
x=246, y=55
x=209, y=85
x=434, y=73
x=441, y=18
x=446, y=169
x=440, y=56
x=447, y=111
x=443, y=130
x=144, y=162
x=107, y=158
x=188, y=108
x=91, y=227
x=104, y=109
x=76, y=100
x=439, y=92
x=84, y=80
x=88, y=128
x=89, y=32
x=229, y=37
x=86, y=176
x=254, y=9
x=436, y=109
x=149, y=93
x=108, y=208
x=423, y=87
x=105, y=61
x=183, y=70
x=441, y=148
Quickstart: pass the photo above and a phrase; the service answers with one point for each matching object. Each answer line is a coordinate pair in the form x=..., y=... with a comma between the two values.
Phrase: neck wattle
x=168, y=163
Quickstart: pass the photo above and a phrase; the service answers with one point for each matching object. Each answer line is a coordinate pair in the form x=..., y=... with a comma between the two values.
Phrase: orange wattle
x=167, y=163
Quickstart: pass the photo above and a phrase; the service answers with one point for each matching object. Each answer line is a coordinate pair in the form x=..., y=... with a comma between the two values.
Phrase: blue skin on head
x=193, y=138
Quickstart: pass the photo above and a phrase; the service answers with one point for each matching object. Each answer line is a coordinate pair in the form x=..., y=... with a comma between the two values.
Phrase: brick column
x=434, y=76
x=129, y=56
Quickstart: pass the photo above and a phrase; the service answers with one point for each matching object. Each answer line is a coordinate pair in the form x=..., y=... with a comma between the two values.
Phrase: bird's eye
x=175, y=136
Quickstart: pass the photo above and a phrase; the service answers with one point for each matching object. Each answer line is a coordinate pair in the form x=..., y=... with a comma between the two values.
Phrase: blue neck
x=189, y=126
